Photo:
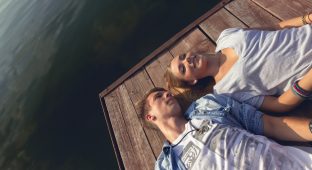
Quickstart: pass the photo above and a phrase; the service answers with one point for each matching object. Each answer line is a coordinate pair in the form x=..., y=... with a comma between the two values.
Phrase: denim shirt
x=219, y=109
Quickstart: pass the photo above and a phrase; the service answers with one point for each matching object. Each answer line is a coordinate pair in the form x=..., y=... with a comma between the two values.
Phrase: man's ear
x=192, y=82
x=150, y=117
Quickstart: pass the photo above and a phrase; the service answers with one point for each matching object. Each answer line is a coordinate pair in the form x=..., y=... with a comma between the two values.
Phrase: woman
x=253, y=65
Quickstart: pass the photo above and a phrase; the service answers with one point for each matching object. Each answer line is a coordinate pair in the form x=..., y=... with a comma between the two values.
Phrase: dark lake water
x=56, y=56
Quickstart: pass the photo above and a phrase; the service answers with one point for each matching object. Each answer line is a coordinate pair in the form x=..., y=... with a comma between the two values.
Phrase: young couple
x=218, y=132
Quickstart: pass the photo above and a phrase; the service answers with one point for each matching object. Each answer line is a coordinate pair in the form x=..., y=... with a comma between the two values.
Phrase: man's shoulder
x=206, y=104
x=212, y=100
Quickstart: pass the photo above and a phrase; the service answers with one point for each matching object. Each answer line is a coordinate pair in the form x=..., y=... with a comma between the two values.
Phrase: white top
x=269, y=61
x=225, y=147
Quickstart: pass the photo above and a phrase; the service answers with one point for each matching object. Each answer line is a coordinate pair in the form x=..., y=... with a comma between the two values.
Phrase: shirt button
x=166, y=150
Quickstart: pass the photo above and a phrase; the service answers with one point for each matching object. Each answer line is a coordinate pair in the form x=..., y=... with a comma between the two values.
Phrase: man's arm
x=288, y=100
x=288, y=128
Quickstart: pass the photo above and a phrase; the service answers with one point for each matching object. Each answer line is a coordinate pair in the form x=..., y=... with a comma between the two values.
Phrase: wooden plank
x=163, y=47
x=157, y=68
x=143, y=155
x=251, y=14
x=118, y=124
x=137, y=86
x=165, y=60
x=187, y=42
x=133, y=145
x=219, y=21
x=286, y=9
x=111, y=134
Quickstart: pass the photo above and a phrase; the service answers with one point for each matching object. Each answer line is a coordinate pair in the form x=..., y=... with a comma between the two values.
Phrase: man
x=214, y=137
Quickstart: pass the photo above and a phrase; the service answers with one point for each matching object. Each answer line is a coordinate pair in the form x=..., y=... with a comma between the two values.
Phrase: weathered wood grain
x=157, y=68
x=143, y=153
x=122, y=137
x=251, y=14
x=187, y=42
x=137, y=86
x=286, y=9
x=135, y=150
x=219, y=21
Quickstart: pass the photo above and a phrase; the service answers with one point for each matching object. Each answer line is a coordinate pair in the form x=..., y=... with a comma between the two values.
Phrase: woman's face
x=189, y=66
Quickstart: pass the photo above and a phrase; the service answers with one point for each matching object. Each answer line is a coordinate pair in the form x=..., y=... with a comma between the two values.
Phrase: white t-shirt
x=269, y=61
x=216, y=146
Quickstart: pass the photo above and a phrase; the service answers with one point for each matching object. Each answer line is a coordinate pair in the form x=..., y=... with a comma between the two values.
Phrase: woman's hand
x=296, y=22
x=306, y=82
x=288, y=100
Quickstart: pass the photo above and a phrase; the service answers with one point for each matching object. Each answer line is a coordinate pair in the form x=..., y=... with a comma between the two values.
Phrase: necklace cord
x=195, y=129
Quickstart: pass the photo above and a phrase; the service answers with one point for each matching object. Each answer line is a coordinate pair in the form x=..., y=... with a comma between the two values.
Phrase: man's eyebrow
x=154, y=97
x=156, y=94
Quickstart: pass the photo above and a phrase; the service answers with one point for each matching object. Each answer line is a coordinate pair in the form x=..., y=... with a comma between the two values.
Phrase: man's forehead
x=151, y=96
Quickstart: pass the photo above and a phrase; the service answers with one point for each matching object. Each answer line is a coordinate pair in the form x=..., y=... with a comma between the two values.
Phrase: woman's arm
x=293, y=22
x=288, y=100
x=287, y=128
x=296, y=22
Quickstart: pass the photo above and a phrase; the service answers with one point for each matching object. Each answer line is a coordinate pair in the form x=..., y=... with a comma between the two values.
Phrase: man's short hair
x=144, y=107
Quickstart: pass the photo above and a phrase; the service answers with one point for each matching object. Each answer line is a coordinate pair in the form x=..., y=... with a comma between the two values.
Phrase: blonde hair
x=184, y=91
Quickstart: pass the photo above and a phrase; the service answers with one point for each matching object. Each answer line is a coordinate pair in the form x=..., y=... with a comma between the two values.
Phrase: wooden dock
x=137, y=147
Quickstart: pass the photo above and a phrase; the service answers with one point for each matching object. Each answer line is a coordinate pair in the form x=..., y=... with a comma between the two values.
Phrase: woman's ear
x=192, y=82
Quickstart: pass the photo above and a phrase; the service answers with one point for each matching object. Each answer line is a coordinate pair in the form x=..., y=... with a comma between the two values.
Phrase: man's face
x=163, y=105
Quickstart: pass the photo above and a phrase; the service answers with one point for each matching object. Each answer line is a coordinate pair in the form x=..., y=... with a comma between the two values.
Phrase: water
x=56, y=56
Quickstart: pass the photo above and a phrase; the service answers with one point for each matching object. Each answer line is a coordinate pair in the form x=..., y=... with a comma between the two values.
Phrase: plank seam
x=208, y=37
x=112, y=135
x=123, y=119
x=131, y=138
x=161, y=65
x=236, y=17
x=266, y=10
x=149, y=75
x=139, y=118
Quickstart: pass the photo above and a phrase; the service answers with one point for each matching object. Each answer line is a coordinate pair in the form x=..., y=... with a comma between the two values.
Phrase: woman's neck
x=221, y=62
x=227, y=59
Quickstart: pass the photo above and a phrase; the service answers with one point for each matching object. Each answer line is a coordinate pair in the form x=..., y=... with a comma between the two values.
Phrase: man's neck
x=173, y=127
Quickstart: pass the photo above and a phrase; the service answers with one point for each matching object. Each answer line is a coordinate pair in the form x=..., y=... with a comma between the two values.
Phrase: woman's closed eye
x=182, y=57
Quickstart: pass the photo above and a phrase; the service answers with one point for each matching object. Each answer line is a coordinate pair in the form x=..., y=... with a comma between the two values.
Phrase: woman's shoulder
x=229, y=31
x=229, y=38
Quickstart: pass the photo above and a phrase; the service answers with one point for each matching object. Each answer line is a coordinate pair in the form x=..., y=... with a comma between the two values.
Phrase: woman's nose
x=188, y=59
x=167, y=94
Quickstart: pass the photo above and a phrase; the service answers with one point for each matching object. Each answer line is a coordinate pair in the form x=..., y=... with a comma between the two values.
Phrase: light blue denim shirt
x=219, y=109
